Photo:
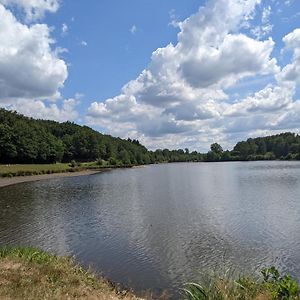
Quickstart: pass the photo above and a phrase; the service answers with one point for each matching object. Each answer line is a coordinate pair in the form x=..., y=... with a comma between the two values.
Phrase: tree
x=261, y=147
x=124, y=157
x=8, y=150
x=216, y=148
x=25, y=140
x=213, y=156
x=242, y=149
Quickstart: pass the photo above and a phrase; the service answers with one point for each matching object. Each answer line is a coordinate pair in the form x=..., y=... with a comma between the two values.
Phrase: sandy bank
x=20, y=179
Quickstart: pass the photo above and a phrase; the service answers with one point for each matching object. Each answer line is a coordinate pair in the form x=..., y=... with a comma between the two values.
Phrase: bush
x=112, y=161
x=281, y=287
x=271, y=286
x=99, y=162
x=8, y=175
x=73, y=164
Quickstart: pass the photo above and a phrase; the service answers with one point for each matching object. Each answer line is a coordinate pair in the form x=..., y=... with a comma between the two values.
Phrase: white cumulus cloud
x=291, y=72
x=31, y=71
x=182, y=92
x=29, y=67
x=33, y=9
x=61, y=112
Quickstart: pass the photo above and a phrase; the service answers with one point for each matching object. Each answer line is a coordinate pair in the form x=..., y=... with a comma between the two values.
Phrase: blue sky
x=171, y=73
x=119, y=41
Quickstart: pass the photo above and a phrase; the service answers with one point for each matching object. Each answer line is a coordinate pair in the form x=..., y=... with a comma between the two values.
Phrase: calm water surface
x=159, y=226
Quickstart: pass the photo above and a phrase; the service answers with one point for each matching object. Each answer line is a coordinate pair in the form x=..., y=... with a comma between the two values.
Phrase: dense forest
x=26, y=140
x=284, y=146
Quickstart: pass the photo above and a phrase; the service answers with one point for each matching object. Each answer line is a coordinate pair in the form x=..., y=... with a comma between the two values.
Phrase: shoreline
x=54, y=277
x=5, y=181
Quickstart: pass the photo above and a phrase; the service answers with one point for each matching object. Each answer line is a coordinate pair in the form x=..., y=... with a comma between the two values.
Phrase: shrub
x=271, y=286
x=99, y=162
x=112, y=161
x=281, y=287
x=73, y=164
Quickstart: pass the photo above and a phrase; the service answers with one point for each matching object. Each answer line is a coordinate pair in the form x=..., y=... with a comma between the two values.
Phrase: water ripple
x=158, y=227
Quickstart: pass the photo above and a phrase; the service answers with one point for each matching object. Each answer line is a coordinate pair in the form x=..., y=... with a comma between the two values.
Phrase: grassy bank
x=270, y=285
x=32, y=169
x=28, y=273
x=41, y=169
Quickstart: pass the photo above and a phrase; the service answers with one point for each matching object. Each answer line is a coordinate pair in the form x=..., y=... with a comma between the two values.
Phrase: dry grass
x=33, y=169
x=33, y=274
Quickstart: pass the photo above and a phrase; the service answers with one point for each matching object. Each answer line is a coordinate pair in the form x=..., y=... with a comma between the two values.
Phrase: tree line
x=27, y=140
x=284, y=146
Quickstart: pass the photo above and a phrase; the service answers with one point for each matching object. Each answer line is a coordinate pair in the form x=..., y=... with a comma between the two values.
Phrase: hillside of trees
x=284, y=146
x=26, y=140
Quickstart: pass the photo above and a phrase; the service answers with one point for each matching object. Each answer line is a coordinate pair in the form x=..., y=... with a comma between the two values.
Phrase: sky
x=172, y=74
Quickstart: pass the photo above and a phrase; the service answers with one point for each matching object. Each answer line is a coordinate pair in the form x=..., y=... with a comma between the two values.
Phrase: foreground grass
x=27, y=273
x=269, y=286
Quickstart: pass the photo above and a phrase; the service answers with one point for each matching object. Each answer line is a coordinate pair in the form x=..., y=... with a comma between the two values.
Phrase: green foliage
x=99, y=162
x=213, y=156
x=32, y=169
x=216, y=148
x=167, y=155
x=281, y=146
x=28, y=254
x=281, y=287
x=112, y=161
x=195, y=291
x=270, y=274
x=73, y=163
x=284, y=146
x=25, y=140
x=271, y=286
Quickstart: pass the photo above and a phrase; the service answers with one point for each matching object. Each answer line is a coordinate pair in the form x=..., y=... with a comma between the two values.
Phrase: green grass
x=40, y=169
x=33, y=169
x=271, y=285
x=28, y=273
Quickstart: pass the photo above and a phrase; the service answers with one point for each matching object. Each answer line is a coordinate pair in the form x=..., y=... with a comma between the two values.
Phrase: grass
x=27, y=273
x=269, y=286
x=41, y=169
x=33, y=169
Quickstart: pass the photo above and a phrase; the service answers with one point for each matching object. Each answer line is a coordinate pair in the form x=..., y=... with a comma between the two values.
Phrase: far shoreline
x=7, y=181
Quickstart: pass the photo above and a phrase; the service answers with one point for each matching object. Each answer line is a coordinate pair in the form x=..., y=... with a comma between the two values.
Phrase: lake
x=156, y=227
